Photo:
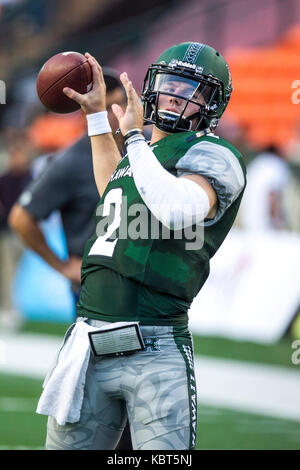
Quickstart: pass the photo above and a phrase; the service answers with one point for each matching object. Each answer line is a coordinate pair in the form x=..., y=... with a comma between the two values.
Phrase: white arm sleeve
x=176, y=202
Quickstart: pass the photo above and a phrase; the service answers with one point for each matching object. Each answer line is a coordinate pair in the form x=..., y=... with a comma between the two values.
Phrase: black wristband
x=134, y=138
x=131, y=134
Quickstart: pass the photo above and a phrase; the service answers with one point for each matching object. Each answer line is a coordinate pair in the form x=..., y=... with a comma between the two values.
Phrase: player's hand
x=95, y=100
x=72, y=269
x=133, y=117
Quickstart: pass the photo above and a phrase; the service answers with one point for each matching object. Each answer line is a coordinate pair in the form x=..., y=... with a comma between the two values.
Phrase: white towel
x=64, y=389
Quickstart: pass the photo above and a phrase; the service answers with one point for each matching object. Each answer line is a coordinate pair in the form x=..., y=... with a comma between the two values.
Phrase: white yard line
x=28, y=354
x=266, y=390
x=21, y=404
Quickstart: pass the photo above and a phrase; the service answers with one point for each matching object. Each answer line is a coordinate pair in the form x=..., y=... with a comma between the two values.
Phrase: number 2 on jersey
x=103, y=246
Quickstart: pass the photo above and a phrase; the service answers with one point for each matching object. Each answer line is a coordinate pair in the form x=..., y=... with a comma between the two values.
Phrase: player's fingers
x=97, y=64
x=136, y=98
x=96, y=69
x=130, y=91
x=101, y=74
x=91, y=57
x=124, y=78
x=118, y=111
x=74, y=95
x=88, y=55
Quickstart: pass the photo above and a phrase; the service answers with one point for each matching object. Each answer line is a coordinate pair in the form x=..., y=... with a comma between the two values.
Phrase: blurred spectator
x=17, y=175
x=12, y=183
x=231, y=130
x=23, y=104
x=292, y=151
x=292, y=154
x=263, y=206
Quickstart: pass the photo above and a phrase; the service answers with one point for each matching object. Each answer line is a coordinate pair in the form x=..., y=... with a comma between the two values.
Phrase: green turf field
x=22, y=428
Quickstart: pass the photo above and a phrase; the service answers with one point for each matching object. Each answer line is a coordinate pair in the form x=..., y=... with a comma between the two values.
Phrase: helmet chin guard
x=174, y=120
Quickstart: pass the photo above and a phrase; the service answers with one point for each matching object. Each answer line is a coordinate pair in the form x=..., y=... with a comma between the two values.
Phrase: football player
x=131, y=347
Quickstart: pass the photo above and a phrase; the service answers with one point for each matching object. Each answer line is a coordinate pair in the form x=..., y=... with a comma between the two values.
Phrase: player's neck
x=157, y=135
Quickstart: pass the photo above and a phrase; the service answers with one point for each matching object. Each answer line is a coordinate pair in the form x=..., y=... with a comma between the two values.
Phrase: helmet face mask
x=187, y=84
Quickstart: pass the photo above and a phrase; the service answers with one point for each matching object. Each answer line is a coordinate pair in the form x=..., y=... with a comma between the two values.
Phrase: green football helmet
x=194, y=69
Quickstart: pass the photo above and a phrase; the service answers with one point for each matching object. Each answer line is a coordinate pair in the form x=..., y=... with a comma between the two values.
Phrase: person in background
x=263, y=206
x=67, y=184
x=12, y=182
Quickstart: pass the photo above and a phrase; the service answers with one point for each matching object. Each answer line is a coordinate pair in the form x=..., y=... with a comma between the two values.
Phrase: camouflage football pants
x=155, y=388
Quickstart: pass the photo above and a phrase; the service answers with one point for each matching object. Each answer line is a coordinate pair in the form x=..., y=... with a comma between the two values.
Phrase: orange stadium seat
x=51, y=132
x=262, y=97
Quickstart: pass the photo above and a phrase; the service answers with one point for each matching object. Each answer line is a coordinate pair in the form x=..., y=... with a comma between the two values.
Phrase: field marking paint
x=17, y=404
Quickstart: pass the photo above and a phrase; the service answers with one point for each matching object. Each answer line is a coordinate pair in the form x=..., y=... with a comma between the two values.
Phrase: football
x=66, y=69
